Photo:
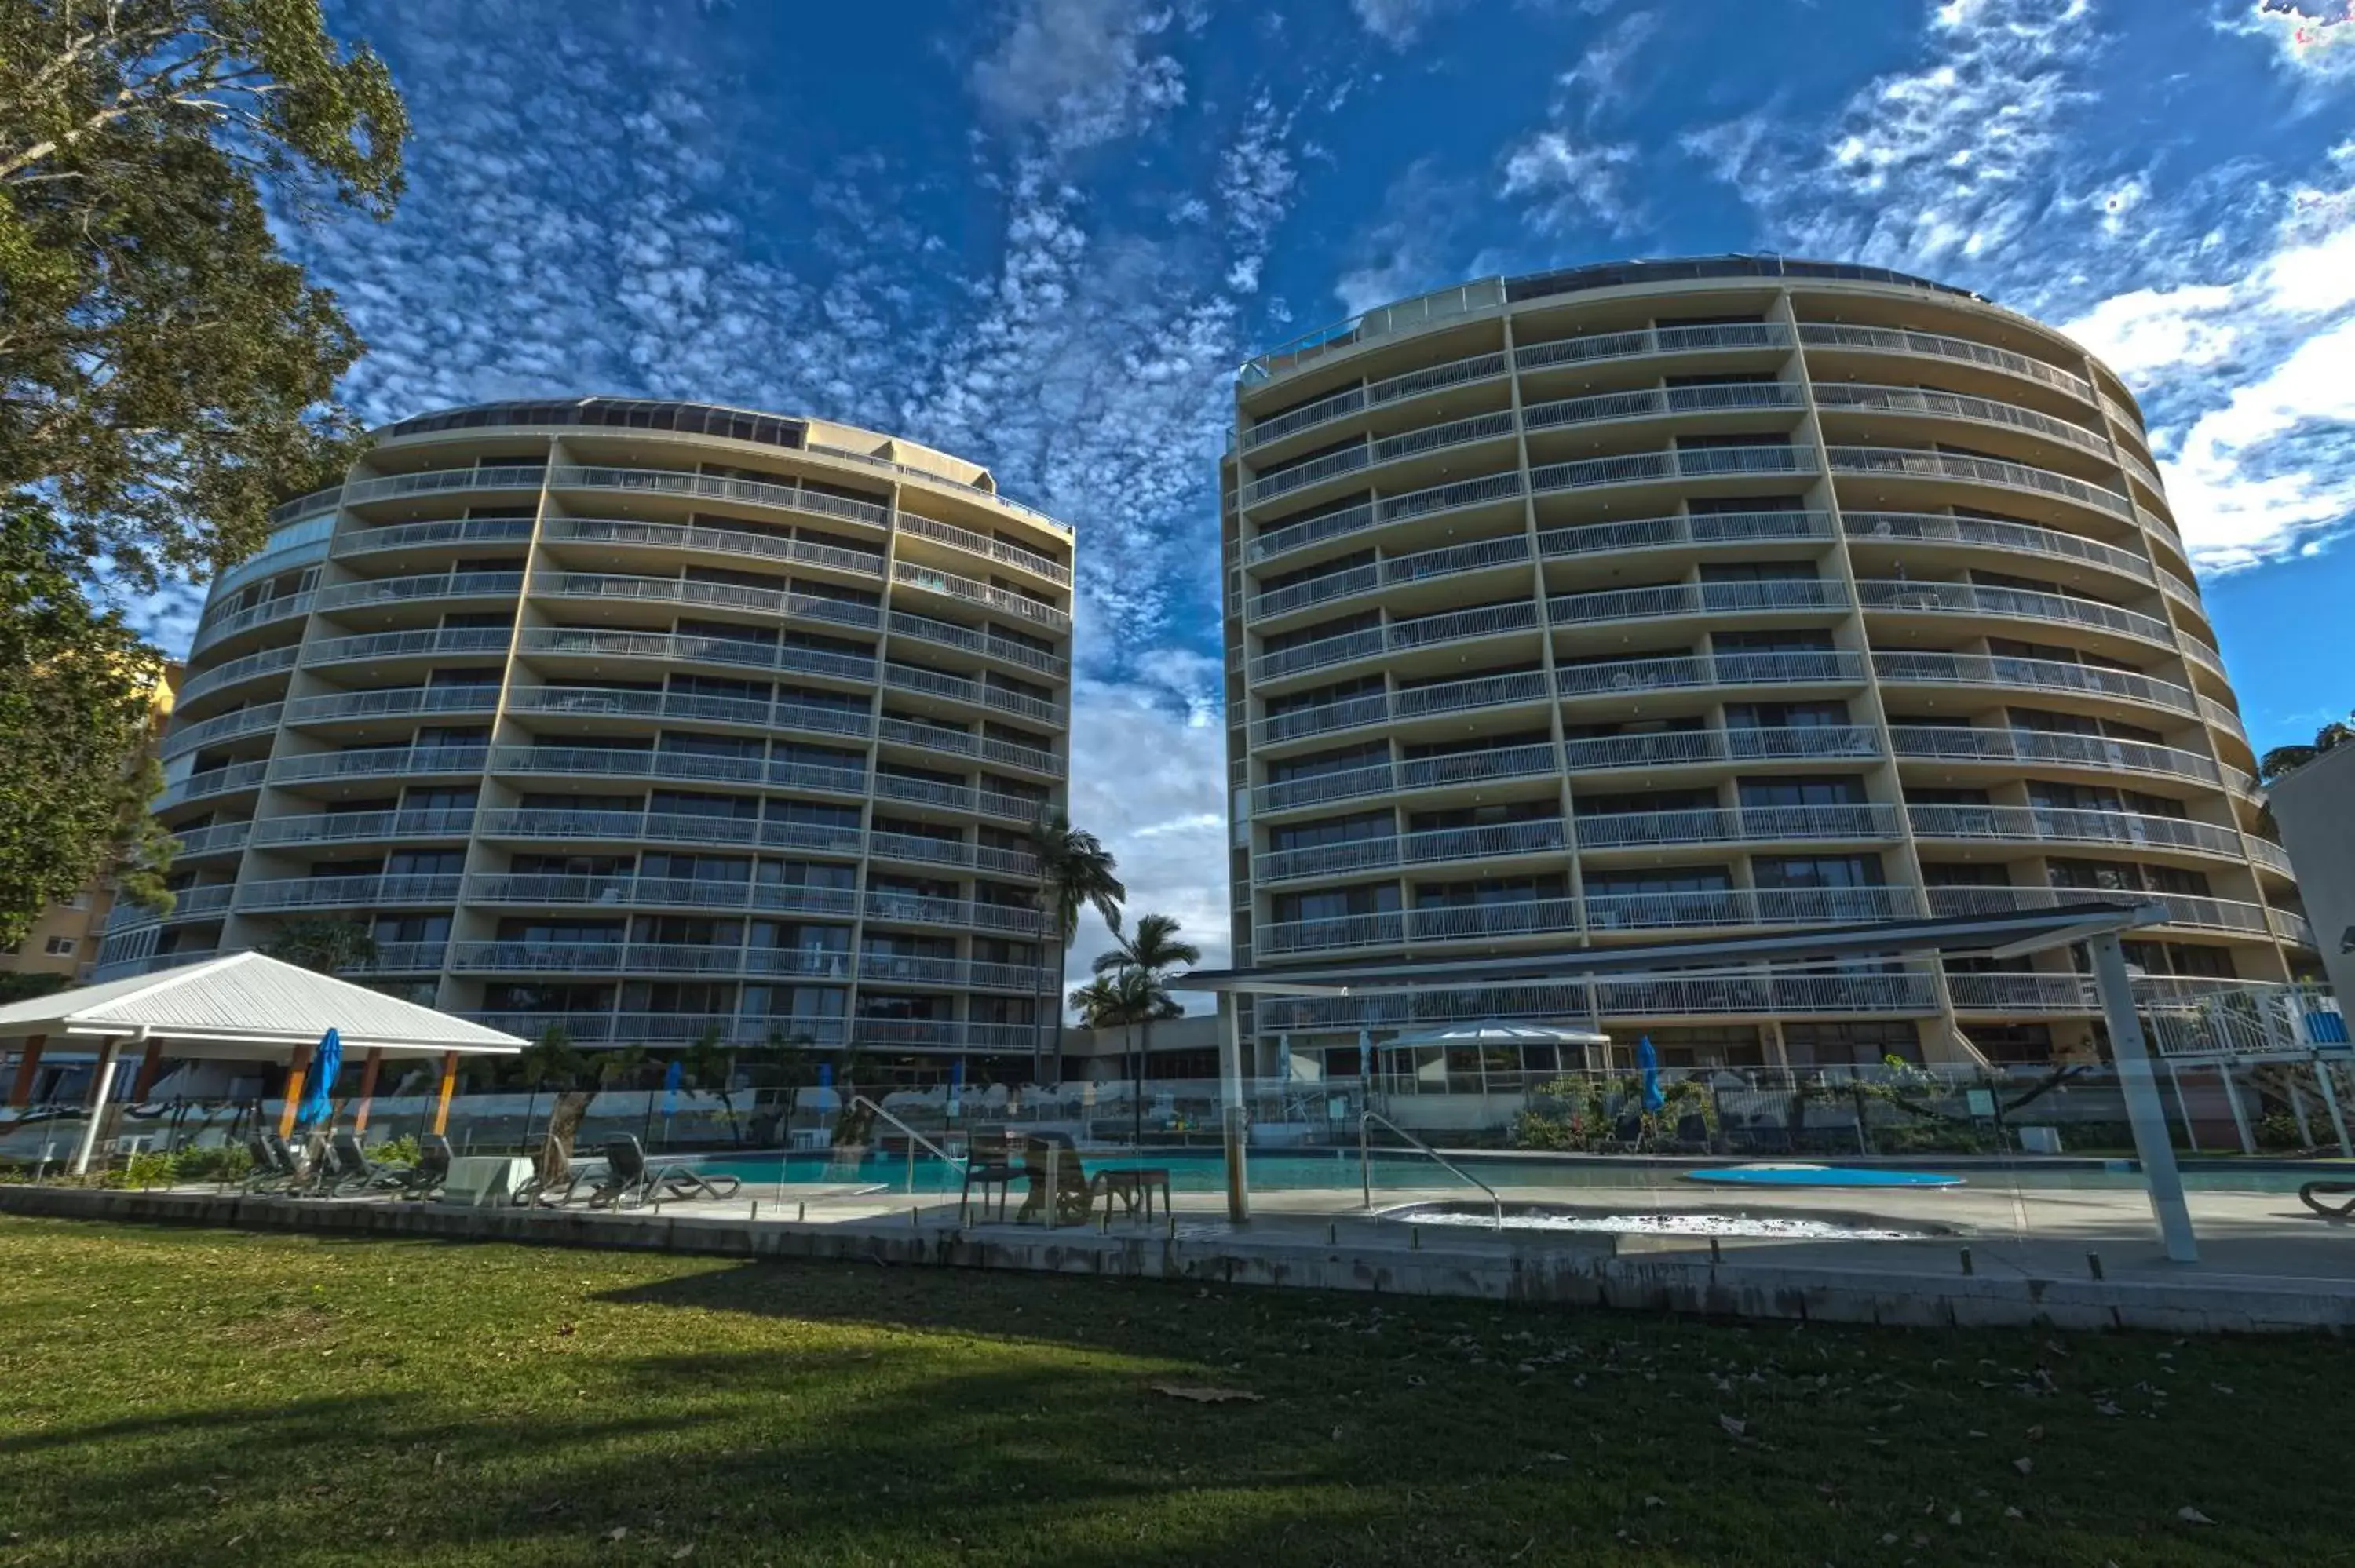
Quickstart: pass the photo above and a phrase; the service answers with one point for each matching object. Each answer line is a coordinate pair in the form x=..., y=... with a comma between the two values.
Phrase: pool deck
x=2013, y=1256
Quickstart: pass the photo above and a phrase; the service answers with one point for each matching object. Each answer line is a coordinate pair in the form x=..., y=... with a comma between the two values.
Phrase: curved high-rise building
x=641, y=718
x=1685, y=598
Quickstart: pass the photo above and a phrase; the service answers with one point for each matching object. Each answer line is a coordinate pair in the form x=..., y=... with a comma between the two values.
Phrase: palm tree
x=1075, y=870
x=549, y=1059
x=1144, y=958
x=323, y=944
x=2283, y=759
x=710, y=1064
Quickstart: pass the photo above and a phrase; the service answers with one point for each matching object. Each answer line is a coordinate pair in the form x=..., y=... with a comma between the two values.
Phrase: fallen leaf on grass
x=1734, y=1428
x=2192, y=1516
x=1204, y=1393
x=2023, y=1466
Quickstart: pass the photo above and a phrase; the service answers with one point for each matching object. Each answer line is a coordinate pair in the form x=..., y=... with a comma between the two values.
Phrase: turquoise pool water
x=1204, y=1170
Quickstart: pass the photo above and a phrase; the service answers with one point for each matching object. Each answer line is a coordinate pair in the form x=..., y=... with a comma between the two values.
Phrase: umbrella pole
x=367, y=1089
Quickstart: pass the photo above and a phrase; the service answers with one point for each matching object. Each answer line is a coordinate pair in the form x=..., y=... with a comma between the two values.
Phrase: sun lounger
x=274, y=1169
x=350, y=1170
x=629, y=1181
x=2313, y=1193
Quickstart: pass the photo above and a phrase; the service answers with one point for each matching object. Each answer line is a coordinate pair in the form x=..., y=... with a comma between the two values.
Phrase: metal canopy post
x=102, y=1084
x=2140, y=1088
x=1231, y=1098
x=2330, y=1104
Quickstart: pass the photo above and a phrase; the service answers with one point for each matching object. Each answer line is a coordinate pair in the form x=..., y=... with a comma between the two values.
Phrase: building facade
x=1692, y=597
x=2315, y=805
x=641, y=719
x=64, y=942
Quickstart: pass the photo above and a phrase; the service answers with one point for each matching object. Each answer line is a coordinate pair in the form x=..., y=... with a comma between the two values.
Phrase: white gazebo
x=245, y=1007
x=1424, y=1057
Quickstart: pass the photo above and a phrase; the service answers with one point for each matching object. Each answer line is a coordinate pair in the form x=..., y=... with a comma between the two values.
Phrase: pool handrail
x=1366, y=1163
x=914, y=1137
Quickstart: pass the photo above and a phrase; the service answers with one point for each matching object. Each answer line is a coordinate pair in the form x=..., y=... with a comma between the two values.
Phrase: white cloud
x=1084, y=71
x=2150, y=330
x=1598, y=83
x=2274, y=466
x=1570, y=183
x=2311, y=37
x=1952, y=161
x=1398, y=23
x=1407, y=250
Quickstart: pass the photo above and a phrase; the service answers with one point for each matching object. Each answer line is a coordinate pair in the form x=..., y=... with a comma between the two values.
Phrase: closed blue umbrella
x=1650, y=1060
x=671, y=1076
x=326, y=1063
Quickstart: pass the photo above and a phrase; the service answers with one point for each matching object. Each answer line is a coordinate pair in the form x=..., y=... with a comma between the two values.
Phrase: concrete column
x=449, y=1087
x=28, y=1067
x=102, y=1081
x=2298, y=1114
x=2330, y=1104
x=2161, y=1177
x=1231, y=1097
x=369, y=1068
x=2240, y=1112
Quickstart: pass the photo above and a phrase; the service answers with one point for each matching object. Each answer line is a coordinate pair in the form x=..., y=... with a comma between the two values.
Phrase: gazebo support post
x=369, y=1067
x=151, y=1067
x=28, y=1067
x=2140, y=1089
x=102, y=1081
x=298, y=1070
x=449, y=1087
x=1231, y=1095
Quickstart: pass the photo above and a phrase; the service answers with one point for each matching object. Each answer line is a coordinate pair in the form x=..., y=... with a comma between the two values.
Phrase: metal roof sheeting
x=248, y=999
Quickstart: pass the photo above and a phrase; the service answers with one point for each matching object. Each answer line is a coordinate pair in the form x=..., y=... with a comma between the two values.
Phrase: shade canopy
x=248, y=1007
x=1496, y=1032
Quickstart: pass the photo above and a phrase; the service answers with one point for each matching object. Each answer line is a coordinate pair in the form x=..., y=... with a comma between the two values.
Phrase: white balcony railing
x=429, y=586
x=1726, y=825
x=1967, y=743
x=397, y=701
x=2064, y=825
x=425, y=643
x=1917, y=597
x=2031, y=674
x=344, y=827
x=1841, y=395
x=1886, y=340
x=744, y=653
x=705, y=540
x=348, y=891
x=1916, y=464
x=911, y=574
x=1674, y=747
x=1792, y=594
x=949, y=635
x=252, y=667
x=1937, y=528
x=436, y=534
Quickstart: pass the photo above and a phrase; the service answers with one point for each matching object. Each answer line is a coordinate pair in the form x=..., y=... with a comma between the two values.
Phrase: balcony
x=947, y=635
x=1648, y=468
x=1444, y=772
x=1455, y=433
x=1833, y=667
x=252, y=667
x=259, y=719
x=1454, y=497
x=913, y=909
x=2223, y=718
x=1909, y=462
x=347, y=891
x=1773, y=597
x=443, y=481
x=220, y=838
x=1413, y=702
x=1681, y=530
x=349, y=827
x=912, y=575
x=1375, y=930
x=1655, y=402
x=403, y=700
x=1453, y=560
x=2032, y=674
x=434, y=536
x=1843, y=397
x=2140, y=470
x=2153, y=523
x=641, y=762
x=1937, y=528
x=1423, y=631
x=412, y=590
x=1935, y=345
x=233, y=779
x=187, y=904
x=2047, y=824
x=635, y=1028
x=592, y=702
x=2173, y=586
x=404, y=958
x=976, y=694
x=997, y=550
x=1435, y=846
x=1471, y=921
x=423, y=645
x=2264, y=851
x=663, y=827
x=736, y=653
x=704, y=539
x=1762, y=994
x=963, y=743
x=712, y=487
x=1966, y=743
x=2291, y=928
x=1749, y=906
x=1687, y=747
x=1919, y=598
x=626, y=891
x=377, y=762
x=608, y=586
x=1645, y=341
x=929, y=850
x=1645, y=830
x=2190, y=910
x=220, y=625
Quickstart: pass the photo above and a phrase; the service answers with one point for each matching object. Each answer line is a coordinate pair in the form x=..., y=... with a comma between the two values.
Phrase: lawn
x=186, y=1397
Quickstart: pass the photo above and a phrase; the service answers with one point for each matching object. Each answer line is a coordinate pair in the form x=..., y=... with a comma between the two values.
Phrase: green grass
x=187, y=1397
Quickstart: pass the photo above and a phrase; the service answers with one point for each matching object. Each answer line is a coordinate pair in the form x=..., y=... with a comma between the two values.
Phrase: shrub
x=229, y=1162
x=148, y=1168
x=401, y=1150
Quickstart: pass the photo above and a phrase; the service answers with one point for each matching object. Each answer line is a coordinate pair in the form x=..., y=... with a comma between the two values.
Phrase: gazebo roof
x=247, y=1006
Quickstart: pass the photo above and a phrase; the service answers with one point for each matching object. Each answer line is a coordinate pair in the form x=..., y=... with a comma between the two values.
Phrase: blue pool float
x=1818, y=1176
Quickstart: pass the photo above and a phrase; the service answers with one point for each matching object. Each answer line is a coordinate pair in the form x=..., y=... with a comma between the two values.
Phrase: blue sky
x=1041, y=234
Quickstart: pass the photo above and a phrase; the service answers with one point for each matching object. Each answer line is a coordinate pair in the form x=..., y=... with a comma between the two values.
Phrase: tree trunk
x=564, y=1118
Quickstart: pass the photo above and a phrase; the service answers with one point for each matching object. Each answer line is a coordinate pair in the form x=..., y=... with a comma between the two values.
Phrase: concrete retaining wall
x=1572, y=1274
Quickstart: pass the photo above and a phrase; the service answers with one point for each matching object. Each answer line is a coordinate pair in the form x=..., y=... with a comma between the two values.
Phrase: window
x=1668, y=879
x=61, y=947
x=1785, y=716
x=1843, y=791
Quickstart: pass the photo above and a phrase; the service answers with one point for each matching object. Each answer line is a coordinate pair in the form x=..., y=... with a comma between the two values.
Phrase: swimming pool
x=1204, y=1170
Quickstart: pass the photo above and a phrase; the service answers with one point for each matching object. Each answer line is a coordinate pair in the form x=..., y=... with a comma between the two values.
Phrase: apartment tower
x=1682, y=599
x=643, y=719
